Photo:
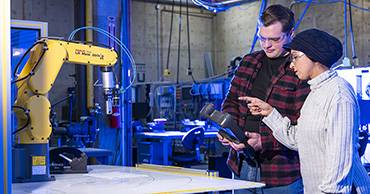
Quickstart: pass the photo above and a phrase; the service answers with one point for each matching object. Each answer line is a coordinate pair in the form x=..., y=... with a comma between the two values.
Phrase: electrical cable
x=178, y=65
x=170, y=38
x=26, y=112
x=256, y=175
x=118, y=42
x=31, y=73
x=22, y=58
x=345, y=29
x=217, y=76
x=179, y=47
x=62, y=100
x=115, y=39
x=351, y=31
x=157, y=37
x=118, y=145
x=188, y=31
x=360, y=8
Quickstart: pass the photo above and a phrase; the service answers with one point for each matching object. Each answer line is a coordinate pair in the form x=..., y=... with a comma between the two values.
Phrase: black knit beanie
x=317, y=45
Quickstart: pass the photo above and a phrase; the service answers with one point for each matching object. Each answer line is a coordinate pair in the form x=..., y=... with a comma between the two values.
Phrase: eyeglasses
x=294, y=57
x=271, y=39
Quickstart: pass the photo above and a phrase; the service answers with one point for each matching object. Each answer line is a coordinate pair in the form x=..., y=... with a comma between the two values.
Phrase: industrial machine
x=32, y=107
x=64, y=160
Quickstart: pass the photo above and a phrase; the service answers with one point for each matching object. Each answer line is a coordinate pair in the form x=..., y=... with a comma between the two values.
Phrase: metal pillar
x=5, y=135
x=89, y=69
x=126, y=108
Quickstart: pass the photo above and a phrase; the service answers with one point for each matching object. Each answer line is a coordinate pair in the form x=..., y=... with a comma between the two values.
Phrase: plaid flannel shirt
x=279, y=165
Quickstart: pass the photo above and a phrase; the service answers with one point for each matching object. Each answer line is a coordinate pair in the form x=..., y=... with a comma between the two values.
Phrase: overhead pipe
x=228, y=3
x=222, y=5
x=157, y=27
x=193, y=5
x=81, y=98
x=345, y=62
x=345, y=28
x=89, y=69
x=354, y=56
x=167, y=2
x=208, y=15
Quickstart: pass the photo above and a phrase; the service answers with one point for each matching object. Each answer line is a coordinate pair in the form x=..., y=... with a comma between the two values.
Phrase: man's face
x=272, y=39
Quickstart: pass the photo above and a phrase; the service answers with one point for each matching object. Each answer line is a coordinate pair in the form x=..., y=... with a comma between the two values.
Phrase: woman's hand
x=257, y=106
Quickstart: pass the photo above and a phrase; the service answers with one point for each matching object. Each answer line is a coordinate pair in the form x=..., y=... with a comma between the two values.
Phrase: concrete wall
x=144, y=40
x=235, y=28
x=234, y=31
x=329, y=17
x=225, y=35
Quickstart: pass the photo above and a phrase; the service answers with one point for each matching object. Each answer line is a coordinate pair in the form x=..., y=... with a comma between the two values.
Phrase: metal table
x=165, y=138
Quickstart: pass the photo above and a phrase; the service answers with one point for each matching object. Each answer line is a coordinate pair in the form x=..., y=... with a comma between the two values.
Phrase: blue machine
x=192, y=141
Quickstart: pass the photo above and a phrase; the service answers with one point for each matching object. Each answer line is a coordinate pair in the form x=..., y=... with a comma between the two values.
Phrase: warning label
x=38, y=165
x=38, y=170
x=38, y=160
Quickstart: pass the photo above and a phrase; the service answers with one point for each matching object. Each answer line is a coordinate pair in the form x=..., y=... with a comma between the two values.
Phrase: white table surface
x=118, y=180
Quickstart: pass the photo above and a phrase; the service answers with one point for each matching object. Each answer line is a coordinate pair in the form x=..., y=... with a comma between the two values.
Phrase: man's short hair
x=278, y=13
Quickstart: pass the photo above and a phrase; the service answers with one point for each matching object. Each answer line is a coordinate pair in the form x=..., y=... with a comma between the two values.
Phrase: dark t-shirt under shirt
x=270, y=67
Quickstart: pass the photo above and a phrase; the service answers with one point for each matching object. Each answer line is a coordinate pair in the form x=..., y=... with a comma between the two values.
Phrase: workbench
x=164, y=139
x=132, y=180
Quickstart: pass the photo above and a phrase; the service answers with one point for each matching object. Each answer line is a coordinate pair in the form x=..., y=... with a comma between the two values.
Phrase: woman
x=326, y=132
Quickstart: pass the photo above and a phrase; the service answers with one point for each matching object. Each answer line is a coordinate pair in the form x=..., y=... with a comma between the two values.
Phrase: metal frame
x=5, y=135
x=22, y=24
x=126, y=109
x=28, y=24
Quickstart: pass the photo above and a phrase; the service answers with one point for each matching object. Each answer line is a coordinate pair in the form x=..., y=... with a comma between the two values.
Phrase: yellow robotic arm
x=37, y=78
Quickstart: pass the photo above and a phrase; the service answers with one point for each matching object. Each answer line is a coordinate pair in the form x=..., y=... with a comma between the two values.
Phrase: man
x=266, y=74
x=326, y=132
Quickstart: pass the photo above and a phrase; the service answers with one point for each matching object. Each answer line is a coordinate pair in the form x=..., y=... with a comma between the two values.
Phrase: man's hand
x=254, y=140
x=257, y=106
x=223, y=140
x=226, y=142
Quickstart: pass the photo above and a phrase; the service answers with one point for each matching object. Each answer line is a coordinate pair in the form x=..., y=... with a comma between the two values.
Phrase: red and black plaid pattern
x=279, y=165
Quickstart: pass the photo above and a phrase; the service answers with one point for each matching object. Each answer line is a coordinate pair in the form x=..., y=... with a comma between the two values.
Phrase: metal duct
x=191, y=3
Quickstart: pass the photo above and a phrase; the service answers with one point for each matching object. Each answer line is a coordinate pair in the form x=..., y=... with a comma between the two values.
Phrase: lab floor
x=130, y=180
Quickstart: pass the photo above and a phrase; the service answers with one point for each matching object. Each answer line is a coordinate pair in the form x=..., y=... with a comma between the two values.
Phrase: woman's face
x=301, y=65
